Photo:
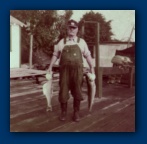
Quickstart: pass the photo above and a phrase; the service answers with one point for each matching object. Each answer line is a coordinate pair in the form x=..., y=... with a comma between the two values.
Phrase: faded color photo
x=72, y=71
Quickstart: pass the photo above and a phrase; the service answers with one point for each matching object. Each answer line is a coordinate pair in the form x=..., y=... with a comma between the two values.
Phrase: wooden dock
x=114, y=112
x=23, y=72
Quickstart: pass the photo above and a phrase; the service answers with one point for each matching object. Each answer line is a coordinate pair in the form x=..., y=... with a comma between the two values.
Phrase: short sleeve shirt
x=82, y=45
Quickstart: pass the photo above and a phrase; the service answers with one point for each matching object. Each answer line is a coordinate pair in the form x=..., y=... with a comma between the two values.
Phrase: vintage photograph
x=72, y=70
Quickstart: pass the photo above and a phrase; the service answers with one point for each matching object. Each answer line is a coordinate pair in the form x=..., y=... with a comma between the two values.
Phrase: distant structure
x=15, y=42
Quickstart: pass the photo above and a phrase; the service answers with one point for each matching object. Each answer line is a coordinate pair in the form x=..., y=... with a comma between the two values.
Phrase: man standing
x=71, y=51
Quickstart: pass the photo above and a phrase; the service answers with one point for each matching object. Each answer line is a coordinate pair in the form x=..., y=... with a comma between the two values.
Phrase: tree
x=105, y=28
x=47, y=27
x=63, y=22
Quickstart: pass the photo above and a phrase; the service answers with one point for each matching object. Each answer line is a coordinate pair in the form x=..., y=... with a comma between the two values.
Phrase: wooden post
x=31, y=51
x=94, y=51
x=98, y=70
x=97, y=65
x=131, y=76
x=130, y=37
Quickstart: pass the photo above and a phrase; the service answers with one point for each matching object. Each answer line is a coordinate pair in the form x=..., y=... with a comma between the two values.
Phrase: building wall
x=107, y=51
x=15, y=46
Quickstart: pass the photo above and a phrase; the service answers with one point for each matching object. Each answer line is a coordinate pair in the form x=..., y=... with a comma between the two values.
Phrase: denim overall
x=71, y=72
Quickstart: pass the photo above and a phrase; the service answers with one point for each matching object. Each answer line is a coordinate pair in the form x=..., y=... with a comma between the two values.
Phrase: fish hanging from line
x=91, y=90
x=47, y=91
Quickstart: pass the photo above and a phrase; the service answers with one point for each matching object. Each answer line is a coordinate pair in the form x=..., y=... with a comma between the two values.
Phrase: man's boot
x=63, y=111
x=76, y=116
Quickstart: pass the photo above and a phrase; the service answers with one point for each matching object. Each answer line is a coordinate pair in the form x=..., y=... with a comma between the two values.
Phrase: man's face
x=72, y=31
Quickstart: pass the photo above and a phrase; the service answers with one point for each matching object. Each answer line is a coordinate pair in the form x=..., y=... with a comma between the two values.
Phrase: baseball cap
x=72, y=23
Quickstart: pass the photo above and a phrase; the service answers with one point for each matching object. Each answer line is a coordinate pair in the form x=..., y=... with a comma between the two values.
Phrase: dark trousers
x=71, y=75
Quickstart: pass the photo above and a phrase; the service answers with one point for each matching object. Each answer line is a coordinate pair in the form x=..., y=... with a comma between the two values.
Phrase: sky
x=122, y=23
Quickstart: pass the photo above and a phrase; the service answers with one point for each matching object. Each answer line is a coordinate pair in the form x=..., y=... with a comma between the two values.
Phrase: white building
x=15, y=42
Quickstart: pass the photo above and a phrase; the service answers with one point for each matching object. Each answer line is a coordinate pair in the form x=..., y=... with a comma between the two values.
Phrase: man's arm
x=53, y=60
x=89, y=61
x=54, y=57
x=87, y=56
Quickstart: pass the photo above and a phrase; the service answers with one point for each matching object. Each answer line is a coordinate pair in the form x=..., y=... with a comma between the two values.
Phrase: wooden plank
x=28, y=111
x=20, y=82
x=40, y=121
x=46, y=123
x=22, y=72
x=113, y=70
x=125, y=121
x=116, y=122
x=32, y=120
x=17, y=88
x=88, y=123
x=131, y=71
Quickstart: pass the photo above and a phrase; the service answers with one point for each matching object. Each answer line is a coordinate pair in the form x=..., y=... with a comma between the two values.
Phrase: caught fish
x=47, y=91
x=91, y=90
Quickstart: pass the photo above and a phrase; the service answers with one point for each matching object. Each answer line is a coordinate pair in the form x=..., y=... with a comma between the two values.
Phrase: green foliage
x=90, y=28
x=47, y=27
x=62, y=23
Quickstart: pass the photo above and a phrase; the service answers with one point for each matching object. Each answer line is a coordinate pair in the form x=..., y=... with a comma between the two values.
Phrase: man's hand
x=53, y=60
x=92, y=70
x=49, y=70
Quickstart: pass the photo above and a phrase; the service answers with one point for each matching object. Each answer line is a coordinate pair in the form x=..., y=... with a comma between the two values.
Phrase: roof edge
x=13, y=20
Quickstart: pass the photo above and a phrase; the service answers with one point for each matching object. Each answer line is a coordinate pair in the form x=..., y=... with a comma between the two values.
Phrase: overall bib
x=71, y=73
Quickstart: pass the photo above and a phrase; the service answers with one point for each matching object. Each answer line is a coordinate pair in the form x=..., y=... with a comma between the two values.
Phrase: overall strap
x=64, y=40
x=78, y=40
